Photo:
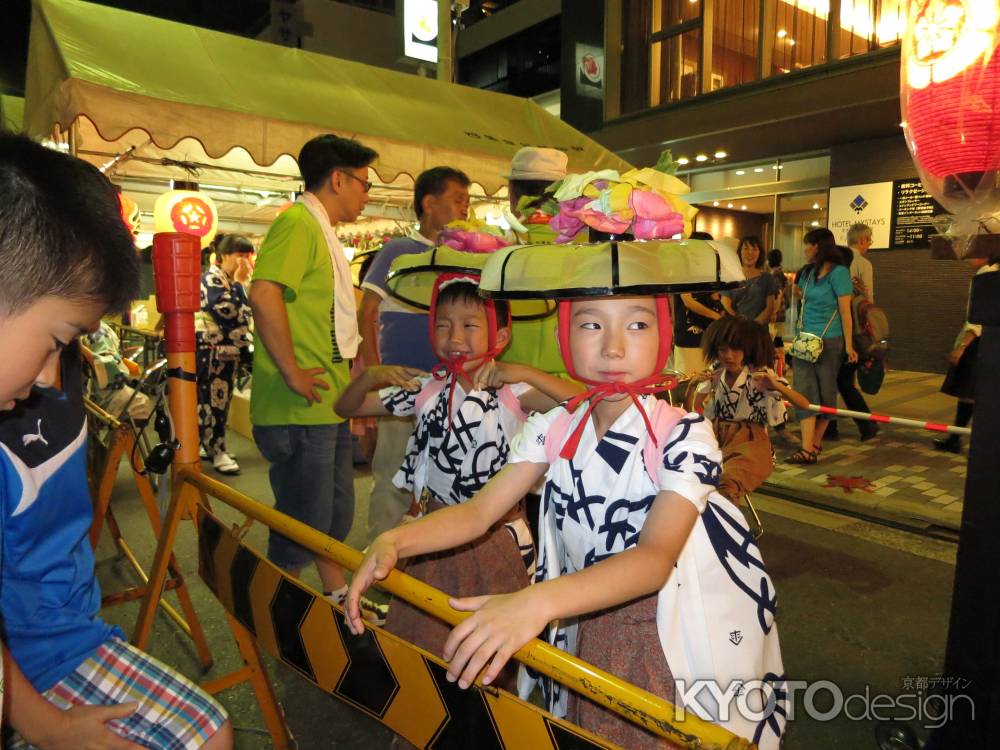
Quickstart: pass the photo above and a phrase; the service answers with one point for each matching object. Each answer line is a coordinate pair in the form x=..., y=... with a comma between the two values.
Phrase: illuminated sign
x=420, y=29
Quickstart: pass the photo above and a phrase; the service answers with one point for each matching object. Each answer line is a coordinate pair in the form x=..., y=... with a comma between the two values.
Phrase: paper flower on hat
x=472, y=237
x=645, y=203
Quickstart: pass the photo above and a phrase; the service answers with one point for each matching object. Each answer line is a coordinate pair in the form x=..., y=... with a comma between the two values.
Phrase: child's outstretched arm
x=440, y=530
x=502, y=624
x=360, y=398
x=695, y=397
x=776, y=384
x=547, y=391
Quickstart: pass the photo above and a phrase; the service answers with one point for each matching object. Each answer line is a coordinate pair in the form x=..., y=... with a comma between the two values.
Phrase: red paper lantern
x=950, y=98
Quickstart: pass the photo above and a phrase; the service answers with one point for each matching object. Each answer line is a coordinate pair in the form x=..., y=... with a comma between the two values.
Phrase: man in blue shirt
x=396, y=334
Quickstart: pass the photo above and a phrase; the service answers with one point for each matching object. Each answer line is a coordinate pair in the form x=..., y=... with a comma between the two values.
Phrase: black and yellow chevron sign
x=386, y=677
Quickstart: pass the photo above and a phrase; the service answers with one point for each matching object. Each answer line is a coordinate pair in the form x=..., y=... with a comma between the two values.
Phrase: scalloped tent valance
x=124, y=71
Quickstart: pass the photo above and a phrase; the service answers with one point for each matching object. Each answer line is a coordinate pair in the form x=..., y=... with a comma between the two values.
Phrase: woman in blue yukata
x=223, y=334
x=644, y=569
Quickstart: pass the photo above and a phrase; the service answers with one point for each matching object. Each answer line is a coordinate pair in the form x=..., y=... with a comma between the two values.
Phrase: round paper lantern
x=950, y=98
x=187, y=211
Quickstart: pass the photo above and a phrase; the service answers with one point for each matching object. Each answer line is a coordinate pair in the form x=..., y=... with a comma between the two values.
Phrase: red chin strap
x=600, y=390
x=453, y=368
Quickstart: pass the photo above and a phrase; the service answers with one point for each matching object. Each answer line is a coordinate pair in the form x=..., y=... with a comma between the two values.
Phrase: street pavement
x=861, y=605
x=898, y=475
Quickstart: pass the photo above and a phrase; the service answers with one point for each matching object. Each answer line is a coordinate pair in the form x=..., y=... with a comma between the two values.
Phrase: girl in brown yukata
x=741, y=395
x=644, y=569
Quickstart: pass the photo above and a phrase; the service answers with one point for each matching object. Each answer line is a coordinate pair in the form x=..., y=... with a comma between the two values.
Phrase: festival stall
x=151, y=100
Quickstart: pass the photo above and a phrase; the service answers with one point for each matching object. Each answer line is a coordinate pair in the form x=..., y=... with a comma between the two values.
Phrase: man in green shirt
x=305, y=332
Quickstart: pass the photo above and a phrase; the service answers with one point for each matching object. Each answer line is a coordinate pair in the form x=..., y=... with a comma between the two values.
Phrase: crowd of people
x=477, y=412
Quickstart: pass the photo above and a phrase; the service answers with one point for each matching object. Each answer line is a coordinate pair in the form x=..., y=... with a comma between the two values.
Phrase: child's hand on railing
x=380, y=559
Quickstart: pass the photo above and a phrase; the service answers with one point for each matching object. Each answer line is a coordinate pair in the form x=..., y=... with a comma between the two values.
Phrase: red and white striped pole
x=886, y=419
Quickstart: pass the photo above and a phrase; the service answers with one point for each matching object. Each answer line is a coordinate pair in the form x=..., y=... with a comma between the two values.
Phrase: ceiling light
x=729, y=205
x=814, y=223
x=743, y=208
x=683, y=160
x=701, y=157
x=816, y=206
x=740, y=172
x=791, y=42
x=715, y=203
x=721, y=154
x=782, y=33
x=758, y=169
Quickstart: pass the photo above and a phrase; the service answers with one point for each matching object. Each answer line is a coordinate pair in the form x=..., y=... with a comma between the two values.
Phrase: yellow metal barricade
x=259, y=596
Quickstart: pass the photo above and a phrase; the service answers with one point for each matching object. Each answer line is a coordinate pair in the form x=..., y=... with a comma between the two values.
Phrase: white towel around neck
x=345, y=309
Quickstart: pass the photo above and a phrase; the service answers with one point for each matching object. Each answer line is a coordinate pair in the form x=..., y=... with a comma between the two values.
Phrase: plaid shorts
x=173, y=712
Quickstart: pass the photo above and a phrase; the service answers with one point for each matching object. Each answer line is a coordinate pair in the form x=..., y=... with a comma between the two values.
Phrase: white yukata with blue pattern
x=715, y=615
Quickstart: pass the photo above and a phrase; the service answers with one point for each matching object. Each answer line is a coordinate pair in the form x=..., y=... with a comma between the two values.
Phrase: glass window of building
x=867, y=25
x=735, y=28
x=799, y=34
x=676, y=49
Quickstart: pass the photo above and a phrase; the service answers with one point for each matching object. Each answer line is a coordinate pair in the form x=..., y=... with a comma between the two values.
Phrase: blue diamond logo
x=859, y=203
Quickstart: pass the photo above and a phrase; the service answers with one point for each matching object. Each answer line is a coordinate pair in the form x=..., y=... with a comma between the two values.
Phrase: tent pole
x=445, y=61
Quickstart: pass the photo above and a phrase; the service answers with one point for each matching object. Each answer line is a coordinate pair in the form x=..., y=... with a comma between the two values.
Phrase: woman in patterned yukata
x=741, y=396
x=223, y=335
x=449, y=459
x=644, y=569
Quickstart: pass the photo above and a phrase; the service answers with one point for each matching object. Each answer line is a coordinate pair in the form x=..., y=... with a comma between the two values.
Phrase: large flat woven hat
x=602, y=269
x=412, y=277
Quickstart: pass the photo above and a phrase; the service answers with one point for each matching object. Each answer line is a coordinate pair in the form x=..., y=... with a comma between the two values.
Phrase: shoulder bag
x=808, y=346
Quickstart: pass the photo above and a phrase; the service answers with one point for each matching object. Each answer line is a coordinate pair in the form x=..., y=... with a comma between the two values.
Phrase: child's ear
x=503, y=338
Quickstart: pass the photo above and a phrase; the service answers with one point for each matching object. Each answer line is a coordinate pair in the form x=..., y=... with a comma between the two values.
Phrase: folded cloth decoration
x=645, y=203
x=472, y=237
x=567, y=224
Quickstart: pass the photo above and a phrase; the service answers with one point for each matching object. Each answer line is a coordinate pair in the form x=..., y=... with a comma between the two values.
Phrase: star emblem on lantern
x=192, y=215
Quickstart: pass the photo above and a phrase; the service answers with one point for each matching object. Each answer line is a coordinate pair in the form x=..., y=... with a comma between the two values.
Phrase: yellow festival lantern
x=184, y=209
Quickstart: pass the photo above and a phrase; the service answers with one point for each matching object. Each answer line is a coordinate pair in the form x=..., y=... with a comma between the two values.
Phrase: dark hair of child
x=744, y=334
x=227, y=244
x=61, y=230
x=464, y=291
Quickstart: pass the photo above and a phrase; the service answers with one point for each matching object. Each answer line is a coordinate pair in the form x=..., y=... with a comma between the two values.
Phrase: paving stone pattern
x=902, y=475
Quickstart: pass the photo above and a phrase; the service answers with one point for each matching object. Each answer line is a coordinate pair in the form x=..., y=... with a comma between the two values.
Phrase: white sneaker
x=371, y=611
x=202, y=453
x=224, y=464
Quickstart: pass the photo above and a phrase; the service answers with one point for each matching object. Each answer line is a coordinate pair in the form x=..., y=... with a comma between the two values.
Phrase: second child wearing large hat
x=467, y=410
x=644, y=569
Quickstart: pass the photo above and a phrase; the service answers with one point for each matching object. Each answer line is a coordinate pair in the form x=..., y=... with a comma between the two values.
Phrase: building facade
x=783, y=114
